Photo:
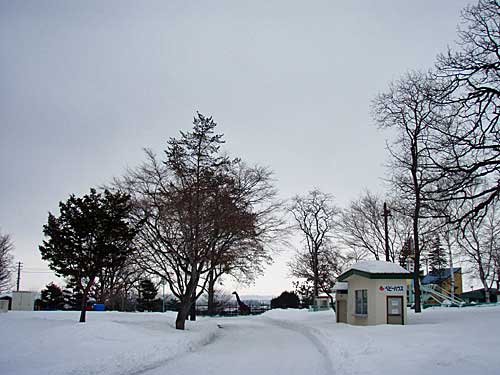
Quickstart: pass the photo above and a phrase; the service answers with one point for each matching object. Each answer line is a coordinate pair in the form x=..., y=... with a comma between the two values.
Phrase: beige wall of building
x=377, y=299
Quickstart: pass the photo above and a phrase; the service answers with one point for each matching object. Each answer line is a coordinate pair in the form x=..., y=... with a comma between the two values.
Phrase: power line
x=28, y=269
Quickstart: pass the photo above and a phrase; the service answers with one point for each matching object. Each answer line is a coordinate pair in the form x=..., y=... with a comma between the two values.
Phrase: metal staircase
x=440, y=295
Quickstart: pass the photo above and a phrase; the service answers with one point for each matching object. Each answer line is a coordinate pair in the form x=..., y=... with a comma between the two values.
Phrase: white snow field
x=441, y=341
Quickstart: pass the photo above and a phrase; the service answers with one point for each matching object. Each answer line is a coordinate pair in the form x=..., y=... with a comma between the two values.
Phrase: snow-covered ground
x=444, y=341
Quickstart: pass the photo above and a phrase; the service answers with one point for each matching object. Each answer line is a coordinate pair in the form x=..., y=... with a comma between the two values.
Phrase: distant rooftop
x=378, y=266
x=436, y=276
x=376, y=269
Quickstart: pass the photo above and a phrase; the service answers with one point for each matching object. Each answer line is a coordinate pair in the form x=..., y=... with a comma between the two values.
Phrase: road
x=254, y=345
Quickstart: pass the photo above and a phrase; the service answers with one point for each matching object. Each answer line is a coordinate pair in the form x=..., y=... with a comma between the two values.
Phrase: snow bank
x=300, y=315
x=441, y=340
x=109, y=343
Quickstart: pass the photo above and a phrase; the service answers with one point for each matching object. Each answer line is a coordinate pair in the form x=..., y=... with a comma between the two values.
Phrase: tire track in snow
x=162, y=362
x=307, y=332
x=261, y=343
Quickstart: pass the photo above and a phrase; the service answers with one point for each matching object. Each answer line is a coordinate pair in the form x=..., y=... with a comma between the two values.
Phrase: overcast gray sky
x=84, y=86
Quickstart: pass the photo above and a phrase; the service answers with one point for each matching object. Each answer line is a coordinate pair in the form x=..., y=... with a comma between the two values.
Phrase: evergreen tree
x=437, y=255
x=172, y=304
x=52, y=297
x=72, y=295
x=147, y=293
x=286, y=300
x=406, y=252
x=90, y=234
x=305, y=291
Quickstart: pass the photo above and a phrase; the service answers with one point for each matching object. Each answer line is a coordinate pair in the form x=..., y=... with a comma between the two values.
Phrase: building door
x=395, y=310
x=341, y=311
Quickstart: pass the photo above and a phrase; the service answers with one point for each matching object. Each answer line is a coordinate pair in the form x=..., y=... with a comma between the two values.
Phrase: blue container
x=98, y=307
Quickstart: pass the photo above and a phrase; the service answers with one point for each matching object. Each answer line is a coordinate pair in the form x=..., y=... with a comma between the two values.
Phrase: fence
x=233, y=310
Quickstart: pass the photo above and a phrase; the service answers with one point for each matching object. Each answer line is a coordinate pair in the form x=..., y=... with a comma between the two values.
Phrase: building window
x=361, y=302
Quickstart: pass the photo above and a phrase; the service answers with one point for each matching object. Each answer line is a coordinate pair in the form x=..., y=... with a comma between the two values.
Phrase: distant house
x=442, y=278
x=24, y=300
x=436, y=287
x=8, y=298
x=478, y=296
x=322, y=302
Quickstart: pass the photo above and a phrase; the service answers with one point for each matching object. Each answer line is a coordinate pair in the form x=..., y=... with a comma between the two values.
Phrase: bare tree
x=221, y=299
x=496, y=258
x=246, y=254
x=408, y=108
x=468, y=148
x=6, y=246
x=115, y=283
x=479, y=244
x=320, y=270
x=315, y=218
x=200, y=219
x=164, y=243
x=362, y=228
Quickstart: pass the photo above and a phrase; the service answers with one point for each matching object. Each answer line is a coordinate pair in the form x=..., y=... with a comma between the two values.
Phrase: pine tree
x=52, y=297
x=91, y=233
x=305, y=291
x=147, y=293
x=73, y=295
x=406, y=252
x=286, y=300
x=437, y=255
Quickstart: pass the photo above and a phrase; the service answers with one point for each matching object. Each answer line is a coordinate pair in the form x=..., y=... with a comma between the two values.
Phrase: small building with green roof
x=376, y=294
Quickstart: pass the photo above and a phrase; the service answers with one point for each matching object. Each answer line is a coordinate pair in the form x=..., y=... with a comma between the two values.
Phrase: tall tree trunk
x=83, y=312
x=211, y=292
x=416, y=217
x=187, y=303
x=123, y=300
x=416, y=273
x=485, y=284
x=487, y=297
x=315, y=273
x=191, y=294
x=332, y=304
x=452, y=279
x=180, y=321
x=192, y=310
x=102, y=288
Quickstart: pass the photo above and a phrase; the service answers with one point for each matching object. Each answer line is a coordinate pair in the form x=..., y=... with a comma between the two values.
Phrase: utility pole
x=19, y=265
x=386, y=214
